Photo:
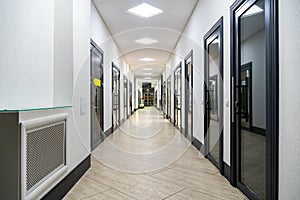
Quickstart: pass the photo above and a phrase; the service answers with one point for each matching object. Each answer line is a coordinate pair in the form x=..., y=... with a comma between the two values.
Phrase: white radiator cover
x=43, y=154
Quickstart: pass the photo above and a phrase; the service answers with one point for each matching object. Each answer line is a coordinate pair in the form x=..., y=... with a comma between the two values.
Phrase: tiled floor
x=147, y=158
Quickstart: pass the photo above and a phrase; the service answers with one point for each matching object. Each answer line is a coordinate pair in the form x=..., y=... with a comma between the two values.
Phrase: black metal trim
x=214, y=31
x=272, y=95
x=64, y=186
x=189, y=55
x=226, y=171
x=108, y=132
x=196, y=143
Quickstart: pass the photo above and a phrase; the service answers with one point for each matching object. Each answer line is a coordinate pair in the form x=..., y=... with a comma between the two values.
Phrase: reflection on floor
x=147, y=158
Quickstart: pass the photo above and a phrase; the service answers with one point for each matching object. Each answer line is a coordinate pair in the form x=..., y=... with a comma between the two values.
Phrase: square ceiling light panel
x=147, y=59
x=146, y=41
x=145, y=10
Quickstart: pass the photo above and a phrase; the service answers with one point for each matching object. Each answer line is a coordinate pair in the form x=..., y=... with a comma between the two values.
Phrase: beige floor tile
x=110, y=195
x=188, y=194
x=85, y=187
x=152, y=189
x=147, y=158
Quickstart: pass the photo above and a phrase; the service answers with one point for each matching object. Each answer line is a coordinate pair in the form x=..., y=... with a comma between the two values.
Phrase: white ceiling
x=165, y=28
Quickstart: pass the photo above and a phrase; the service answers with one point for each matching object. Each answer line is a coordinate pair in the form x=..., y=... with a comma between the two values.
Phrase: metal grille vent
x=45, y=152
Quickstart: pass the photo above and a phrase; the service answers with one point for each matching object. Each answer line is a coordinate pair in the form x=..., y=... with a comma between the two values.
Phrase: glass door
x=96, y=95
x=116, y=97
x=125, y=97
x=189, y=96
x=255, y=102
x=169, y=98
x=213, y=119
x=177, y=97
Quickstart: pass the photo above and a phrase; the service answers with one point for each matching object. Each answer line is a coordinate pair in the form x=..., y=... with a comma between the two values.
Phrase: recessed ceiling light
x=146, y=41
x=254, y=10
x=148, y=73
x=145, y=10
x=147, y=59
x=147, y=78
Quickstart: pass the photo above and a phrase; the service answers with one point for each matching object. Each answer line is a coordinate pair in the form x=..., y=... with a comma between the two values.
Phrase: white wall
x=26, y=54
x=206, y=14
x=289, y=99
x=101, y=35
x=63, y=53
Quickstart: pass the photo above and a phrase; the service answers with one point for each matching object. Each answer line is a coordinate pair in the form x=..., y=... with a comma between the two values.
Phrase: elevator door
x=96, y=57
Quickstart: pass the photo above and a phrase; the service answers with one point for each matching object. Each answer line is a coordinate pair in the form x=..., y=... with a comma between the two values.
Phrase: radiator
x=43, y=152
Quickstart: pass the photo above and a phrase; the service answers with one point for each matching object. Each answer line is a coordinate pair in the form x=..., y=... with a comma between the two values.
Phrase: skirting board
x=226, y=171
x=198, y=145
x=108, y=132
x=61, y=189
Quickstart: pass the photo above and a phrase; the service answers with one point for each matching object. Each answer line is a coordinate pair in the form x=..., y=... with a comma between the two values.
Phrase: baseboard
x=108, y=132
x=259, y=131
x=226, y=171
x=63, y=187
x=122, y=121
x=198, y=145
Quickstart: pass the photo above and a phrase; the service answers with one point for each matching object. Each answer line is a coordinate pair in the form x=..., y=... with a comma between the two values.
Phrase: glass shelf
x=32, y=109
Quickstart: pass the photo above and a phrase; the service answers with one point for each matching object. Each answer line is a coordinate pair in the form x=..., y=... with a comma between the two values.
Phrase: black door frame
x=272, y=94
x=126, y=95
x=214, y=32
x=115, y=126
x=94, y=46
x=178, y=67
x=168, y=97
x=189, y=55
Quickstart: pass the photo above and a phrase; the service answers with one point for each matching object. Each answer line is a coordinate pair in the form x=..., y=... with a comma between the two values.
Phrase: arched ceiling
x=164, y=29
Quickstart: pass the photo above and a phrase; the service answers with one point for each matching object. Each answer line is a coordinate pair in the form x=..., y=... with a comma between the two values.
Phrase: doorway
x=213, y=83
x=125, y=97
x=169, y=98
x=115, y=97
x=96, y=94
x=177, y=97
x=254, y=90
x=188, y=65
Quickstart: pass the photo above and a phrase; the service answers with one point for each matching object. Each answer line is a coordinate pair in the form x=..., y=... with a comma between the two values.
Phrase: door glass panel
x=169, y=97
x=252, y=92
x=116, y=90
x=213, y=107
x=96, y=98
x=177, y=93
x=125, y=98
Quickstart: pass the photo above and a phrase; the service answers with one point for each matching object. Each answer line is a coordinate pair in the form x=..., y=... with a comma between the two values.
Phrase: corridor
x=148, y=158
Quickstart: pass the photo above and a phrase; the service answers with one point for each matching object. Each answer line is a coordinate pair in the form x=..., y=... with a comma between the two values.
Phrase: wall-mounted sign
x=97, y=82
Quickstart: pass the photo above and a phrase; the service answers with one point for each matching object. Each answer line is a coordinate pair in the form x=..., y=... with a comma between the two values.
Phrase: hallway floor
x=147, y=158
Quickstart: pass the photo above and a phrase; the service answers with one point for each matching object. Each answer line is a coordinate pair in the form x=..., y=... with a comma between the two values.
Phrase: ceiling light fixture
x=254, y=10
x=148, y=69
x=148, y=73
x=147, y=59
x=146, y=41
x=145, y=10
